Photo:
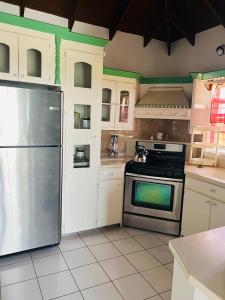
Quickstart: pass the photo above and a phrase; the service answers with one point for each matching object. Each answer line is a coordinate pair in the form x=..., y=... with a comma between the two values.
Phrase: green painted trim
x=57, y=59
x=85, y=39
x=213, y=74
x=166, y=80
x=53, y=29
x=196, y=75
x=121, y=73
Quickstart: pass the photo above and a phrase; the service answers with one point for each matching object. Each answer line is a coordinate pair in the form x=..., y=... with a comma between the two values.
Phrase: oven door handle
x=153, y=177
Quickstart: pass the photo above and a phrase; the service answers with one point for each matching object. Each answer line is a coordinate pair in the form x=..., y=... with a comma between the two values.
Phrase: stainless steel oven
x=153, y=202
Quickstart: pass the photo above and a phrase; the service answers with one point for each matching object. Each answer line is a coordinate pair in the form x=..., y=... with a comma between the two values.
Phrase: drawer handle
x=212, y=191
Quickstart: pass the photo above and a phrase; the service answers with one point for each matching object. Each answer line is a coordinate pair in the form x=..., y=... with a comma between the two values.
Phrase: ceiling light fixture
x=220, y=50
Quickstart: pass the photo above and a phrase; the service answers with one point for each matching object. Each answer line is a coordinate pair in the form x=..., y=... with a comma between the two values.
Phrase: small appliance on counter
x=79, y=159
x=114, y=145
x=154, y=189
x=140, y=154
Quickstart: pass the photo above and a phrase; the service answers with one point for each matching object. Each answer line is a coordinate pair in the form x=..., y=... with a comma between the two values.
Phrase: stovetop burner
x=160, y=162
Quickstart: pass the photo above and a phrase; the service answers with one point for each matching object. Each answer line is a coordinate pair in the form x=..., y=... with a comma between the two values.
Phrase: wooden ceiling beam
x=168, y=29
x=149, y=36
x=214, y=11
x=189, y=37
x=118, y=18
x=72, y=14
x=22, y=8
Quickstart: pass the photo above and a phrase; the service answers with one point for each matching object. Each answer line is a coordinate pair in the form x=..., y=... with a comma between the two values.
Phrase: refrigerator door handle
x=54, y=108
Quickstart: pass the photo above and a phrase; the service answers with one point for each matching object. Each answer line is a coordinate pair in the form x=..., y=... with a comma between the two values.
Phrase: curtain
x=217, y=114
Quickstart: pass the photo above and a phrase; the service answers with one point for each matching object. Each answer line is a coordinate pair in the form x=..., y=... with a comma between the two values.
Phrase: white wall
x=126, y=52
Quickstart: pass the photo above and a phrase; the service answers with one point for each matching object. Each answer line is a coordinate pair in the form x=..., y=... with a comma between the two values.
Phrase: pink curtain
x=217, y=114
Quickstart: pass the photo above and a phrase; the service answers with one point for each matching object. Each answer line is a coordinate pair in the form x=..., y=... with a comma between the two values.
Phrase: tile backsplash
x=173, y=130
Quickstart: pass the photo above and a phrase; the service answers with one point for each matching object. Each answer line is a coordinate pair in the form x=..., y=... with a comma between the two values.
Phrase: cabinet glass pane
x=4, y=58
x=106, y=109
x=124, y=105
x=106, y=95
x=34, y=63
x=81, y=156
x=82, y=116
x=82, y=75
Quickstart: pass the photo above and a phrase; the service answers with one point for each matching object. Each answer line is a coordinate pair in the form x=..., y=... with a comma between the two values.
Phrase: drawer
x=208, y=189
x=111, y=174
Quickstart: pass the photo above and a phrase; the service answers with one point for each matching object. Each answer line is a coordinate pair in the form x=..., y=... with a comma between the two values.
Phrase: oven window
x=153, y=195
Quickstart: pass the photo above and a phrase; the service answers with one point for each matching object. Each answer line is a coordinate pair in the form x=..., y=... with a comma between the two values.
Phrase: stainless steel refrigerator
x=30, y=167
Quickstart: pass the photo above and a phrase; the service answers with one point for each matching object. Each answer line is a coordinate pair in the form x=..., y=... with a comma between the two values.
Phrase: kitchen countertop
x=208, y=174
x=115, y=161
x=202, y=258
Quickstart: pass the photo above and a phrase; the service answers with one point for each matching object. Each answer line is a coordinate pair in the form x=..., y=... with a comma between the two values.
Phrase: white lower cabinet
x=196, y=212
x=110, y=200
x=203, y=208
x=217, y=217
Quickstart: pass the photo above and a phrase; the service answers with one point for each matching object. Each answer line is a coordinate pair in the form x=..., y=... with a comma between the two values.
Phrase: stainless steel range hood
x=164, y=103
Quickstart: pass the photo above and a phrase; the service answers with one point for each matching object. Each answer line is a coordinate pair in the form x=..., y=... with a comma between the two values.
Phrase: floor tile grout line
x=71, y=273
x=37, y=277
x=97, y=261
x=107, y=275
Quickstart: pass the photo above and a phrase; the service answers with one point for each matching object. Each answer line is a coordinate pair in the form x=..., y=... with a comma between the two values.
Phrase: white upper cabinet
x=118, y=100
x=125, y=106
x=34, y=59
x=26, y=55
x=9, y=56
x=108, y=104
x=201, y=104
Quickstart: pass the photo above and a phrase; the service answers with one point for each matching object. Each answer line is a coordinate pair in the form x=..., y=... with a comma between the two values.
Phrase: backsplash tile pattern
x=174, y=130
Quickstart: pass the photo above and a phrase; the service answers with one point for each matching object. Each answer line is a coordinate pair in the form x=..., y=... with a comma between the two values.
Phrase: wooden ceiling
x=165, y=20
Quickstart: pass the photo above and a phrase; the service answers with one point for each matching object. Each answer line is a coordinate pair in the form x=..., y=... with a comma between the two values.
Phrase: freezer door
x=30, y=198
x=29, y=117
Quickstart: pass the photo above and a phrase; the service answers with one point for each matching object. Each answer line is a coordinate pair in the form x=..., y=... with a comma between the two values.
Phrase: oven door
x=153, y=196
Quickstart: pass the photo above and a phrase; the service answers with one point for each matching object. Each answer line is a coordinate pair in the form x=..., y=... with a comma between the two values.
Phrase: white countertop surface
x=114, y=161
x=208, y=174
x=202, y=258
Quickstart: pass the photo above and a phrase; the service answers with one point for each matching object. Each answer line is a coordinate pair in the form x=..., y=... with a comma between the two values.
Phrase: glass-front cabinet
x=8, y=56
x=117, y=105
x=34, y=59
x=82, y=138
x=108, y=104
x=25, y=57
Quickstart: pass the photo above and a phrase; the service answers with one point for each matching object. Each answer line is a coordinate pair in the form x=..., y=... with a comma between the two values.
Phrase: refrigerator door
x=29, y=117
x=30, y=198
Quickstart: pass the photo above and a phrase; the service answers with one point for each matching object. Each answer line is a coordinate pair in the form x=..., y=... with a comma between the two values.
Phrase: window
x=218, y=105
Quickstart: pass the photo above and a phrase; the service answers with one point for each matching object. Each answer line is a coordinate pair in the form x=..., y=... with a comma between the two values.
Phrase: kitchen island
x=199, y=266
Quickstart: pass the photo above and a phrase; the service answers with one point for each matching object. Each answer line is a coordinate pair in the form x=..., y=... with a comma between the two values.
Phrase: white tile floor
x=110, y=263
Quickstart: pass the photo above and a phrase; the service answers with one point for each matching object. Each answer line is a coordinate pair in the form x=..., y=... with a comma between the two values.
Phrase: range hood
x=163, y=103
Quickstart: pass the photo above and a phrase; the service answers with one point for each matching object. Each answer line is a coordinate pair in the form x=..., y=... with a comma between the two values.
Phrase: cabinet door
x=82, y=123
x=201, y=104
x=217, y=217
x=196, y=212
x=110, y=202
x=108, y=104
x=35, y=57
x=9, y=56
x=125, y=106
